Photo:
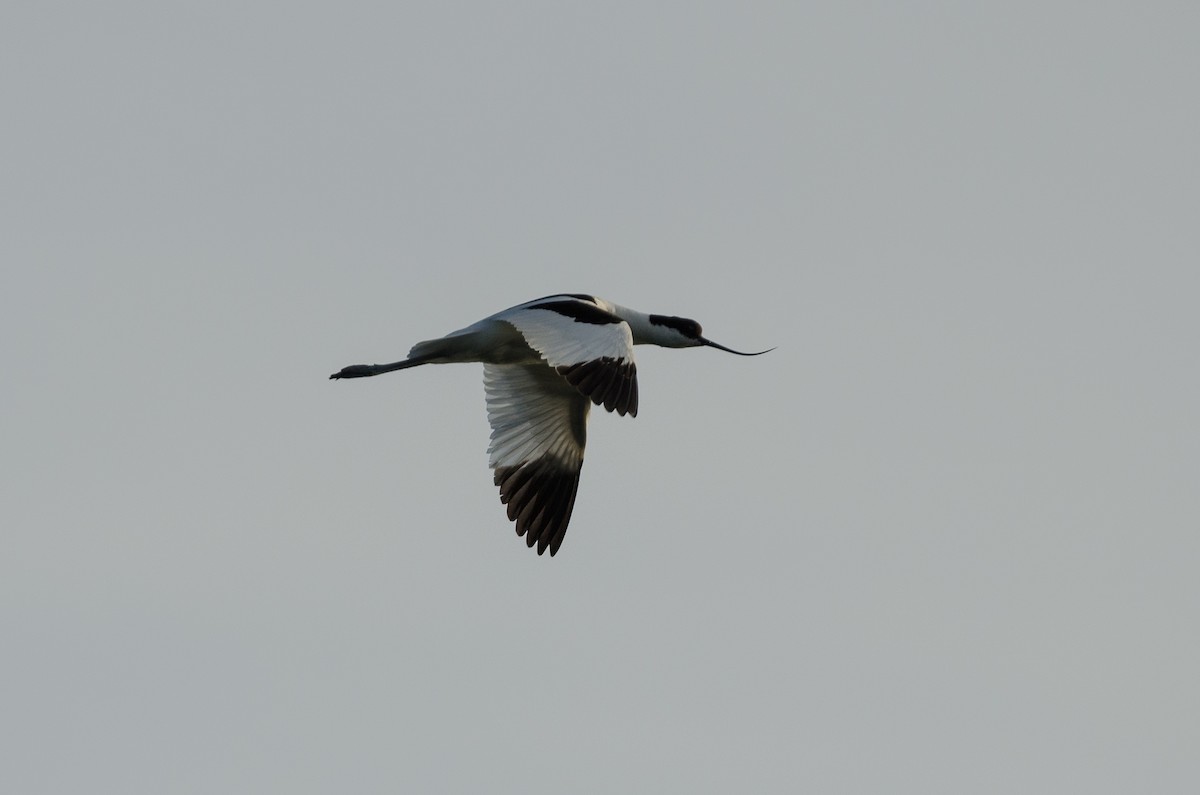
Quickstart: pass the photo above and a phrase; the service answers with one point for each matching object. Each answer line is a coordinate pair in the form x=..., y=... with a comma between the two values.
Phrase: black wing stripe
x=580, y=311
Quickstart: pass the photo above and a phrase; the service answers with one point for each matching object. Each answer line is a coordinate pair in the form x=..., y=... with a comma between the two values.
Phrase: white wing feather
x=594, y=355
x=533, y=413
x=539, y=428
x=564, y=341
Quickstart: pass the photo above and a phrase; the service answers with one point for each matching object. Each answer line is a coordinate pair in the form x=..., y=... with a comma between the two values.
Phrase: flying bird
x=544, y=363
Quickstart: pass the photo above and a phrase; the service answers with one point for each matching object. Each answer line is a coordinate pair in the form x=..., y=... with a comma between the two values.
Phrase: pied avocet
x=544, y=363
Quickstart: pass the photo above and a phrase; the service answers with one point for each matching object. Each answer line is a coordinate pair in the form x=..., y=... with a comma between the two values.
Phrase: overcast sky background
x=943, y=540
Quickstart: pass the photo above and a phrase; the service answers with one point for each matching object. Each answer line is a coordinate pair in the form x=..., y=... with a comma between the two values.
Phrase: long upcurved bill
x=712, y=344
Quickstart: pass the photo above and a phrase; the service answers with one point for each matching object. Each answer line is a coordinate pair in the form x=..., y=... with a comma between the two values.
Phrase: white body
x=522, y=334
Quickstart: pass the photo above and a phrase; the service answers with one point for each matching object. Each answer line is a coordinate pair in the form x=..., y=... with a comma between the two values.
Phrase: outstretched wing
x=587, y=345
x=539, y=428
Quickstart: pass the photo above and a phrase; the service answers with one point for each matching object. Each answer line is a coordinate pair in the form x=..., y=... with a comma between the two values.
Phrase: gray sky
x=943, y=540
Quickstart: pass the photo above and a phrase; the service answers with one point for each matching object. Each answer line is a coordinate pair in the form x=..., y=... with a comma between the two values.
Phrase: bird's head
x=682, y=332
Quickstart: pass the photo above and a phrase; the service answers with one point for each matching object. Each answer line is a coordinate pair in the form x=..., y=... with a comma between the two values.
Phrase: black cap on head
x=691, y=329
x=685, y=326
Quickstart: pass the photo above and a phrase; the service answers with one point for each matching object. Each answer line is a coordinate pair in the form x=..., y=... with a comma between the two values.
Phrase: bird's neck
x=644, y=332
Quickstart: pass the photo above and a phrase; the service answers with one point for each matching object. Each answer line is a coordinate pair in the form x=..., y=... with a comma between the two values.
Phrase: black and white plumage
x=544, y=363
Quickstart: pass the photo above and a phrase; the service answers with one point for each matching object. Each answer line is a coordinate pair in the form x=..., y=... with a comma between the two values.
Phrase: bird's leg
x=365, y=370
